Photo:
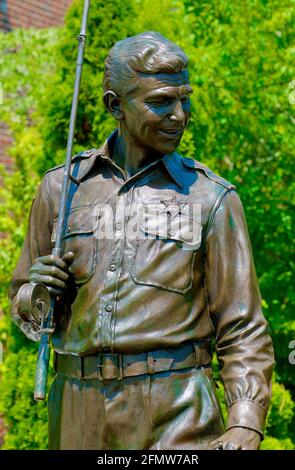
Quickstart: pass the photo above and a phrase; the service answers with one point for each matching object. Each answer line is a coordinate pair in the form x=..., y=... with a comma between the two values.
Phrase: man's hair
x=145, y=53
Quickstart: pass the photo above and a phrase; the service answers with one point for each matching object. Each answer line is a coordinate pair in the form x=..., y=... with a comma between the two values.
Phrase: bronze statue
x=157, y=265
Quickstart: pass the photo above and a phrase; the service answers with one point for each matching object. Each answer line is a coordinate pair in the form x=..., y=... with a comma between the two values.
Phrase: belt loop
x=82, y=367
x=197, y=353
x=150, y=363
x=100, y=365
x=120, y=366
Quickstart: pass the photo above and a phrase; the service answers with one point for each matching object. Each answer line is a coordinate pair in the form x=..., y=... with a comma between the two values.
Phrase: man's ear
x=113, y=104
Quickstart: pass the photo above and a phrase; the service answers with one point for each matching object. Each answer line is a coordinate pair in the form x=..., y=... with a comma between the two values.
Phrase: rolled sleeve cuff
x=247, y=414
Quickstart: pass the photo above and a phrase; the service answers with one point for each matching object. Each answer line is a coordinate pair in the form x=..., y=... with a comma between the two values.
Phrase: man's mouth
x=171, y=132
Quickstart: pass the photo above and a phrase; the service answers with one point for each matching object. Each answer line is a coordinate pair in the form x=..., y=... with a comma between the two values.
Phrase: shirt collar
x=172, y=162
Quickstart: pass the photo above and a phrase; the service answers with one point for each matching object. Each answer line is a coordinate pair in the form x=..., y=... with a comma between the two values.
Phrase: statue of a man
x=138, y=308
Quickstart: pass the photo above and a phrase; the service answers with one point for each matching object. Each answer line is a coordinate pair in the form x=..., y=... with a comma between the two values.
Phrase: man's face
x=157, y=112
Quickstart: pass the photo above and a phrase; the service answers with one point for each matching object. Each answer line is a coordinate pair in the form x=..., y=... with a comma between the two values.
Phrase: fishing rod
x=34, y=300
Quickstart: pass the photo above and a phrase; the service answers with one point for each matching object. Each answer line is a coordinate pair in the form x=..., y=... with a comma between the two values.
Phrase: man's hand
x=237, y=439
x=52, y=271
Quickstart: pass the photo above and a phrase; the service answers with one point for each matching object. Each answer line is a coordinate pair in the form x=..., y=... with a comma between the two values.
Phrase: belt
x=109, y=365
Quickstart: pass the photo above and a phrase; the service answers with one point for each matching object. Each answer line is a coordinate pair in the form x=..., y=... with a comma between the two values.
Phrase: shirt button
x=109, y=308
x=112, y=267
x=118, y=226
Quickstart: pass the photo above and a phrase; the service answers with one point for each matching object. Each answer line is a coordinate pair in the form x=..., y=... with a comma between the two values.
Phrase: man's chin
x=168, y=147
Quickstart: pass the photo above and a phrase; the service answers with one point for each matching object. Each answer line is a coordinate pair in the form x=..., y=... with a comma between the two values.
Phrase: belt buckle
x=118, y=365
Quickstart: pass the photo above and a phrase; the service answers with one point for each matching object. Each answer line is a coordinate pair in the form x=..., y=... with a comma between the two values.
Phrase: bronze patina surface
x=136, y=315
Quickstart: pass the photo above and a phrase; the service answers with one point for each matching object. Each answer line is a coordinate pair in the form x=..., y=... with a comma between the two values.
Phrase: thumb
x=68, y=257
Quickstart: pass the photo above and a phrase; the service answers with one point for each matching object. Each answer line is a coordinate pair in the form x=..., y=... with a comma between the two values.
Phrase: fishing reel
x=33, y=303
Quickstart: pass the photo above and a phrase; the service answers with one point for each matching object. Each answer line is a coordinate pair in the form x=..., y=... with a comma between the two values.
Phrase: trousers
x=175, y=409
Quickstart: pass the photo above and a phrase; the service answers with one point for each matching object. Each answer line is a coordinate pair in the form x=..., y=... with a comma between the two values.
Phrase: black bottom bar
x=140, y=459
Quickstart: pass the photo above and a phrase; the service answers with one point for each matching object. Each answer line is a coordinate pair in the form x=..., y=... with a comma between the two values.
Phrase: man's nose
x=177, y=114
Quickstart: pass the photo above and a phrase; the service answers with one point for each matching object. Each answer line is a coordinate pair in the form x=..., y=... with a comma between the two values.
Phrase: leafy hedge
x=242, y=127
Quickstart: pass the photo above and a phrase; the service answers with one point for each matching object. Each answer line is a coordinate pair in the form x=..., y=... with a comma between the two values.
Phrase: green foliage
x=271, y=443
x=27, y=418
x=281, y=413
x=242, y=126
x=24, y=59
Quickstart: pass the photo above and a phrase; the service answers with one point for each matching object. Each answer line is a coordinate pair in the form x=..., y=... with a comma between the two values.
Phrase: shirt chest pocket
x=79, y=238
x=166, y=248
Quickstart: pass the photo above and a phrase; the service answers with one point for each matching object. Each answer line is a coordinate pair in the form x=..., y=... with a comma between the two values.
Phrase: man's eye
x=164, y=102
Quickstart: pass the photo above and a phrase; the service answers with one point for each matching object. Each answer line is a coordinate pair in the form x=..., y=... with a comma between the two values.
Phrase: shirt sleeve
x=243, y=345
x=37, y=243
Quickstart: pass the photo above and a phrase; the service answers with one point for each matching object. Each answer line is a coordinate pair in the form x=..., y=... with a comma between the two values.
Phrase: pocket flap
x=171, y=223
x=79, y=221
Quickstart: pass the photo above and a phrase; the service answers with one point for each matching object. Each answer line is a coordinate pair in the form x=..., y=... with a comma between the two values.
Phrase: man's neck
x=131, y=157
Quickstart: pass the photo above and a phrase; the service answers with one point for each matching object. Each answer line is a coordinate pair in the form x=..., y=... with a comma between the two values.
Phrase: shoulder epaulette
x=194, y=164
x=83, y=154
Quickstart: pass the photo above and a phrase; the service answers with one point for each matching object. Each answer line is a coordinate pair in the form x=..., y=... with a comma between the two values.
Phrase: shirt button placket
x=108, y=324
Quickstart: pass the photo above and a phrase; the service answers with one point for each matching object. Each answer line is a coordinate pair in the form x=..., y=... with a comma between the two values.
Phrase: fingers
x=237, y=438
x=49, y=281
x=48, y=270
x=52, y=271
x=55, y=292
x=230, y=445
x=225, y=443
x=216, y=445
x=51, y=260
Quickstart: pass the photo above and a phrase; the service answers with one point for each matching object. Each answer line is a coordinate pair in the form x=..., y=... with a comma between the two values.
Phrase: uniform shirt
x=186, y=276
